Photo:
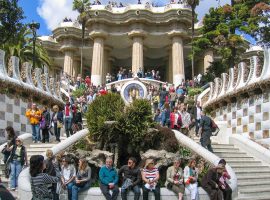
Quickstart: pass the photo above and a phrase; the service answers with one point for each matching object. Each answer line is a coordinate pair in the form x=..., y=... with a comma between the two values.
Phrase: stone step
x=244, y=163
x=255, y=191
x=250, y=168
x=228, y=146
x=231, y=154
x=37, y=149
x=253, y=184
x=249, y=172
x=258, y=170
x=44, y=145
x=252, y=177
x=257, y=197
x=221, y=150
x=229, y=158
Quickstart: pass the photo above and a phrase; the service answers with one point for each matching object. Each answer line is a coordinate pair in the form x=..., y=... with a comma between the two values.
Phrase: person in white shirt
x=191, y=178
x=68, y=174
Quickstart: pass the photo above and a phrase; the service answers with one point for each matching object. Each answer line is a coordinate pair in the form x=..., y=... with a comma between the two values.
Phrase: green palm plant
x=23, y=48
x=82, y=6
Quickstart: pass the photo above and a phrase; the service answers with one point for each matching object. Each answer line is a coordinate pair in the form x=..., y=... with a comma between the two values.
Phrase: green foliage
x=10, y=20
x=78, y=92
x=104, y=108
x=194, y=91
x=184, y=152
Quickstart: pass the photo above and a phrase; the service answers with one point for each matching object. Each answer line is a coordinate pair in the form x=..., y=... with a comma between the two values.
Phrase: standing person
x=108, y=178
x=57, y=120
x=210, y=182
x=162, y=97
x=150, y=177
x=157, y=117
x=165, y=116
x=131, y=179
x=190, y=179
x=68, y=118
x=172, y=97
x=175, y=119
x=34, y=115
x=45, y=124
x=68, y=174
x=175, y=178
x=197, y=117
x=83, y=178
x=155, y=100
x=11, y=141
x=206, y=131
x=223, y=185
x=39, y=180
x=186, y=120
x=18, y=158
x=50, y=170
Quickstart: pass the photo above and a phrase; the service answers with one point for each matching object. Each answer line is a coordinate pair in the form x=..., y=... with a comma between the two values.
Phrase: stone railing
x=235, y=84
x=242, y=99
x=28, y=83
x=95, y=193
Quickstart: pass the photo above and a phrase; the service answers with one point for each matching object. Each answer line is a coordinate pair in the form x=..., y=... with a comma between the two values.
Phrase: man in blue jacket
x=108, y=178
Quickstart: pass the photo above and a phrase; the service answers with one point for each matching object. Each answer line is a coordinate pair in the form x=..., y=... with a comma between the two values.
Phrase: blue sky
x=49, y=13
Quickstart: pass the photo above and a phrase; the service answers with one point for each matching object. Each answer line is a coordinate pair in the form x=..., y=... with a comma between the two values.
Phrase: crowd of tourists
x=56, y=174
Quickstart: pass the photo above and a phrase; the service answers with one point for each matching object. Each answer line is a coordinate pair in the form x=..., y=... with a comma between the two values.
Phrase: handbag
x=169, y=185
x=59, y=124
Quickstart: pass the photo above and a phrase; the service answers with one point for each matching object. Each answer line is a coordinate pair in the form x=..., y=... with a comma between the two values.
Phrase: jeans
x=135, y=189
x=106, y=192
x=16, y=169
x=197, y=123
x=56, y=132
x=68, y=125
x=156, y=193
x=76, y=189
x=193, y=189
x=69, y=189
x=35, y=132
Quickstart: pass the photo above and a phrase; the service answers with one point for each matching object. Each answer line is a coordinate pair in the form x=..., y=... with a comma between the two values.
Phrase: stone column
x=68, y=62
x=178, y=69
x=98, y=56
x=207, y=60
x=170, y=76
x=137, y=49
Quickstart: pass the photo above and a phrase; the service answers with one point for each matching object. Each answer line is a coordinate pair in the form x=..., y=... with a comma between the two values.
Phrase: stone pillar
x=170, y=76
x=98, y=56
x=207, y=60
x=97, y=61
x=137, y=49
x=178, y=69
x=68, y=62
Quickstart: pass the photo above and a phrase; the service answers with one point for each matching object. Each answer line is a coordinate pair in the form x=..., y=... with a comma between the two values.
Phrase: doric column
x=98, y=57
x=208, y=59
x=137, y=49
x=68, y=62
x=178, y=69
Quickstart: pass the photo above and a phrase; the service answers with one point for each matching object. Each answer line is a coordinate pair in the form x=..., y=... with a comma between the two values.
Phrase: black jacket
x=22, y=154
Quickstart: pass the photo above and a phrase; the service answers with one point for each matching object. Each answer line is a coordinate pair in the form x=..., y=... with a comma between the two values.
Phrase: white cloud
x=53, y=12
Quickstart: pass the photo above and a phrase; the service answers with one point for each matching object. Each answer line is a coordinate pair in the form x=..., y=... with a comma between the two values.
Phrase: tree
x=22, y=48
x=82, y=6
x=224, y=25
x=193, y=4
x=10, y=20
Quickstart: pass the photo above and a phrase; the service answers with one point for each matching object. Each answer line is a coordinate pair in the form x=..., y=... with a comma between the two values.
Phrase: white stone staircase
x=252, y=175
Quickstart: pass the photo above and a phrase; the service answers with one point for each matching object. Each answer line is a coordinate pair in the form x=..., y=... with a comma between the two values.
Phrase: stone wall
x=247, y=116
x=12, y=113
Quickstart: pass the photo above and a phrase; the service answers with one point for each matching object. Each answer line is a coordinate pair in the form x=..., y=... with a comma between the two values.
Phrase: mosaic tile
x=258, y=126
x=239, y=121
x=265, y=116
x=234, y=130
x=17, y=102
x=245, y=112
x=251, y=119
x=251, y=135
x=251, y=102
x=23, y=127
x=9, y=108
x=234, y=115
x=258, y=108
x=245, y=128
x=2, y=98
x=9, y=123
x=2, y=115
x=17, y=118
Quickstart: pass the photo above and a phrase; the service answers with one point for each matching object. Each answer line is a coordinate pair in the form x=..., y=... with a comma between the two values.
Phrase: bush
x=194, y=91
x=104, y=108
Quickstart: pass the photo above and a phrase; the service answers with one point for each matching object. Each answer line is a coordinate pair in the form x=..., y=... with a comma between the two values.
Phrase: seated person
x=210, y=182
x=223, y=185
x=131, y=179
x=108, y=178
x=150, y=177
x=175, y=178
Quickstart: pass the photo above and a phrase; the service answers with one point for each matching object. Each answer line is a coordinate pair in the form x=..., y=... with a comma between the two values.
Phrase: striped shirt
x=150, y=173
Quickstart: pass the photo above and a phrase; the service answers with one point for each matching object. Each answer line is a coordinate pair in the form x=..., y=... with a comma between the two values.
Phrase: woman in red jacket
x=175, y=119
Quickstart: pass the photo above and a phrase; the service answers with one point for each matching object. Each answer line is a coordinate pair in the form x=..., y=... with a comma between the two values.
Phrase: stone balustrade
x=21, y=82
x=223, y=89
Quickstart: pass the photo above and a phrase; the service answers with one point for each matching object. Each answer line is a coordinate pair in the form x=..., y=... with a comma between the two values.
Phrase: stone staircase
x=252, y=175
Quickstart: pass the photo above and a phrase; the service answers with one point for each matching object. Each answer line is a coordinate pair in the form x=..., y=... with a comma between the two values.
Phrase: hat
x=147, y=162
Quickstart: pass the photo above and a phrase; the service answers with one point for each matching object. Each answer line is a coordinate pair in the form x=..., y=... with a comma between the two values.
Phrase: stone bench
x=95, y=194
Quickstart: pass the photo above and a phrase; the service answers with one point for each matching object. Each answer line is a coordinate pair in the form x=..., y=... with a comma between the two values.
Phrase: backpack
x=42, y=123
x=214, y=128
